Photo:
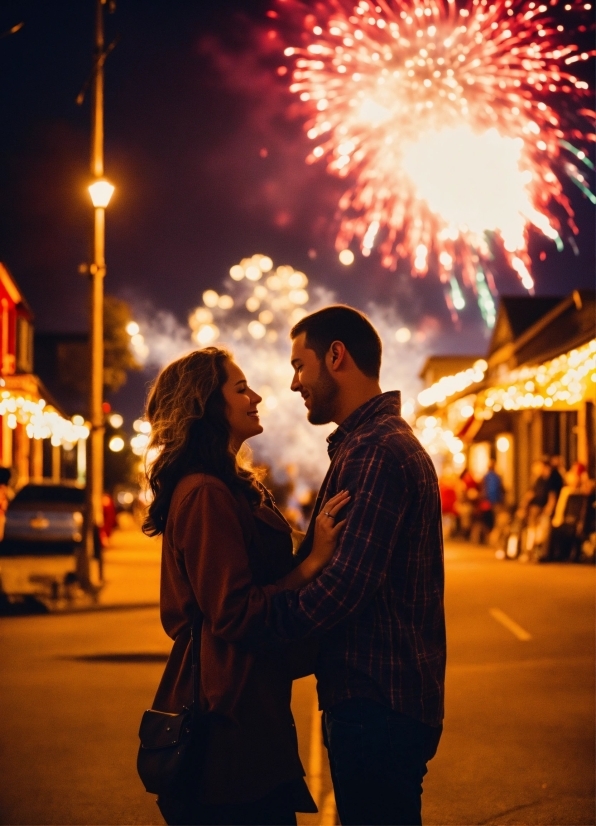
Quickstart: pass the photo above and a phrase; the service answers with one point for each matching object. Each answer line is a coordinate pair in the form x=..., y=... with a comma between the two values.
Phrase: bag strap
x=195, y=669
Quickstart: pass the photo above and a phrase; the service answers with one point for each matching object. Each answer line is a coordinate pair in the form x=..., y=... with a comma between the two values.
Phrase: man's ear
x=336, y=355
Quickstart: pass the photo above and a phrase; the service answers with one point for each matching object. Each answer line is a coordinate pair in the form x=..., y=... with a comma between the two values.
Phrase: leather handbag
x=171, y=744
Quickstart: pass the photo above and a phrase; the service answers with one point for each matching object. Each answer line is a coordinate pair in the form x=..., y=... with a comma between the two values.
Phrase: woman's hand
x=324, y=542
x=327, y=530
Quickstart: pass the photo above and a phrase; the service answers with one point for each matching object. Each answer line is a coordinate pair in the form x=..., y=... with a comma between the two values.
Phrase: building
x=36, y=440
x=62, y=362
x=534, y=393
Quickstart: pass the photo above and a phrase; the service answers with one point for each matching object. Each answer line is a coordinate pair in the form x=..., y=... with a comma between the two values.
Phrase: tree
x=62, y=359
x=118, y=358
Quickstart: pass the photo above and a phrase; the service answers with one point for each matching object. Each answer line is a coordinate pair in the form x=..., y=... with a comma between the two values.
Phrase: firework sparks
x=252, y=314
x=445, y=122
x=253, y=317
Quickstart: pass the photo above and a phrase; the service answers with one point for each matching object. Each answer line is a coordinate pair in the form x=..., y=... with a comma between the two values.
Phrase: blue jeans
x=378, y=759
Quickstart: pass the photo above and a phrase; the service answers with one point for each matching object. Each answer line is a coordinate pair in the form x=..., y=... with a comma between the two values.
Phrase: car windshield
x=50, y=494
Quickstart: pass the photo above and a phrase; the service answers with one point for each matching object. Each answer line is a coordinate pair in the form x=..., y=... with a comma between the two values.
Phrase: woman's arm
x=325, y=539
x=209, y=534
x=211, y=551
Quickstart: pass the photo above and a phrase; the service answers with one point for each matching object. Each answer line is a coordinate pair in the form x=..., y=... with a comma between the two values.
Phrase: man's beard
x=323, y=397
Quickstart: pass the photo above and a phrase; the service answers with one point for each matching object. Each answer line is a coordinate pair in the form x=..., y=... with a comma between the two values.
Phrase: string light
x=436, y=438
x=565, y=380
x=448, y=386
x=40, y=420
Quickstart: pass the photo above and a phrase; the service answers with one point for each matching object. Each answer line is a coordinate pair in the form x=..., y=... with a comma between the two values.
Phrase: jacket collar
x=383, y=404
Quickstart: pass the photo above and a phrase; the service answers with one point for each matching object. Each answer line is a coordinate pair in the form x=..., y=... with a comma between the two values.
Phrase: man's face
x=314, y=382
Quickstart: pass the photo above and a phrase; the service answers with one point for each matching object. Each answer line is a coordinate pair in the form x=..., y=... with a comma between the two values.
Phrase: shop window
x=478, y=459
x=559, y=435
x=24, y=346
x=591, y=437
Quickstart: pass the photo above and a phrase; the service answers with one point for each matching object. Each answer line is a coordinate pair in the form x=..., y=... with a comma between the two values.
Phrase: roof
x=516, y=314
x=552, y=326
x=568, y=325
x=13, y=290
x=31, y=384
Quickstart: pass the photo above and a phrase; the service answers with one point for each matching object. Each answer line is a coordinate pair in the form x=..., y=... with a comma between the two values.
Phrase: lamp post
x=101, y=192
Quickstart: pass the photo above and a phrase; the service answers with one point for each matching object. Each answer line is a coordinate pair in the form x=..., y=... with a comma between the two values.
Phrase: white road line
x=315, y=756
x=329, y=811
x=511, y=625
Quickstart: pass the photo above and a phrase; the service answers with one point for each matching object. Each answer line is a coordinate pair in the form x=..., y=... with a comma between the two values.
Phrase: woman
x=226, y=550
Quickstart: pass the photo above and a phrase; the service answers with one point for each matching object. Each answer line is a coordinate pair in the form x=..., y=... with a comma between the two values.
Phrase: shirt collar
x=389, y=402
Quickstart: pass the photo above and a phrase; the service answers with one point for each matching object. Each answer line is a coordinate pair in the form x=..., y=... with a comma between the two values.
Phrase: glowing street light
x=101, y=192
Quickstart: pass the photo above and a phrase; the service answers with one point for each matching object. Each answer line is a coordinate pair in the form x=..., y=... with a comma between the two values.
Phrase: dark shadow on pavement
x=122, y=657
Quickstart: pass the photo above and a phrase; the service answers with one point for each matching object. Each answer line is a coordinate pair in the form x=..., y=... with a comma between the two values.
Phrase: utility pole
x=101, y=192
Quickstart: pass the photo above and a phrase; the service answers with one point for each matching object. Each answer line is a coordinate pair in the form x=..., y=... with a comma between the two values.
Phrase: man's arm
x=380, y=499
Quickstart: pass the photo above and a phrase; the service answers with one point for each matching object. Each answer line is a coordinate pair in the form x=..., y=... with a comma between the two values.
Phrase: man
x=378, y=606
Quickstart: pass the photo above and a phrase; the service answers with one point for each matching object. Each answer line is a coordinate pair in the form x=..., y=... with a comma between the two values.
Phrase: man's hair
x=342, y=323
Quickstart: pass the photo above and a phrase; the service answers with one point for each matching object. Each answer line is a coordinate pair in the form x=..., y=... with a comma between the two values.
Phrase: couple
x=360, y=604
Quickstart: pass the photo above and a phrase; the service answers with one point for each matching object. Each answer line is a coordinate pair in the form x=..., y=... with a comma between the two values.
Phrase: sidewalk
x=131, y=570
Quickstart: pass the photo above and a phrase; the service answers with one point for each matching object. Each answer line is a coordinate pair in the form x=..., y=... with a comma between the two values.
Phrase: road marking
x=315, y=757
x=510, y=624
x=329, y=811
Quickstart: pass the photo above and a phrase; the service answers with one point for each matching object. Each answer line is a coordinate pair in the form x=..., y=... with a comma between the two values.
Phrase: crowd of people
x=553, y=521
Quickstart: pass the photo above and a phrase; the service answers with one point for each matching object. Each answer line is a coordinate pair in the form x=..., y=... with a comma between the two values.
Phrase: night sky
x=208, y=165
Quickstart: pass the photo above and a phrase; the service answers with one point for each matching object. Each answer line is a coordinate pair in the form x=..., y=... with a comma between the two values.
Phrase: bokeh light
x=116, y=444
x=256, y=329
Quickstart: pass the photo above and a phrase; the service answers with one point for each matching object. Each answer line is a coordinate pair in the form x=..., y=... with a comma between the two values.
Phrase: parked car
x=44, y=526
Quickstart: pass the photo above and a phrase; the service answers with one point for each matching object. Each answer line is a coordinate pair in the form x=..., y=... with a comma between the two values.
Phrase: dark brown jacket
x=220, y=559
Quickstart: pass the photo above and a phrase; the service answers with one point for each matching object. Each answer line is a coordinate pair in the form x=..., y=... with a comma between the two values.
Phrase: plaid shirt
x=378, y=606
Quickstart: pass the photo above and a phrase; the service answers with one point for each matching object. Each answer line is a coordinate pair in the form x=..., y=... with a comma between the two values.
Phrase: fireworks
x=252, y=315
x=265, y=301
x=455, y=127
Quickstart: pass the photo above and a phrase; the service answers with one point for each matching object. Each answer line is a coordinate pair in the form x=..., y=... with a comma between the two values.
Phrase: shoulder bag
x=171, y=744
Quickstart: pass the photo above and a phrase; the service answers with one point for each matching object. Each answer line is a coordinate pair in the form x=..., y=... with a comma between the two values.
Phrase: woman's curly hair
x=190, y=432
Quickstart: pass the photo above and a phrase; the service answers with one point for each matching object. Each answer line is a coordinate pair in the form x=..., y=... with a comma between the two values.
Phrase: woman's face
x=241, y=406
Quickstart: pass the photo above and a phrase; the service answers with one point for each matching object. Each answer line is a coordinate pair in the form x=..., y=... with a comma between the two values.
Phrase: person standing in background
x=492, y=495
x=467, y=502
x=448, y=493
x=6, y=495
x=556, y=480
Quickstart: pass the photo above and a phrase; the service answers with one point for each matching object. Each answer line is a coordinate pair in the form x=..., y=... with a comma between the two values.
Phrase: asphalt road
x=519, y=733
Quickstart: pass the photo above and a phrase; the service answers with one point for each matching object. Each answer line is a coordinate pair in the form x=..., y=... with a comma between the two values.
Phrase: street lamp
x=101, y=192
